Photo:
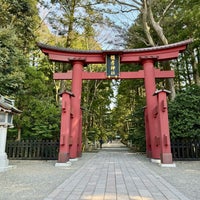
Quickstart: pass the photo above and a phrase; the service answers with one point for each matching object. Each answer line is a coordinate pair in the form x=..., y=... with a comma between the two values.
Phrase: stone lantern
x=7, y=110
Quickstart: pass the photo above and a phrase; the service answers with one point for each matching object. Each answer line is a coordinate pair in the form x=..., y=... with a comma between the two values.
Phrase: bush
x=184, y=114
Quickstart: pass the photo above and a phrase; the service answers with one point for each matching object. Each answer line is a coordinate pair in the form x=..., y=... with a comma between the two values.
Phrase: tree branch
x=138, y=7
x=158, y=29
x=165, y=11
x=145, y=24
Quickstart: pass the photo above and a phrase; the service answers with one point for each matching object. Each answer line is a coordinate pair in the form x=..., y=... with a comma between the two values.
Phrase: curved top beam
x=159, y=53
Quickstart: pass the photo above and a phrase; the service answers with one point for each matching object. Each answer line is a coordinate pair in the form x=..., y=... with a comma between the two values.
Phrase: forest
x=111, y=108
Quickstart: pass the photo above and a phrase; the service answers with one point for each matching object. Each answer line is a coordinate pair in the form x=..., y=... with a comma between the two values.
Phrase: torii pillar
x=76, y=102
x=162, y=114
x=64, y=152
x=147, y=136
x=79, y=148
x=151, y=102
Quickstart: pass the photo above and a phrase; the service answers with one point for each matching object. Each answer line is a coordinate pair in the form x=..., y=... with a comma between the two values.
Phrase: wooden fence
x=32, y=150
x=186, y=149
x=182, y=149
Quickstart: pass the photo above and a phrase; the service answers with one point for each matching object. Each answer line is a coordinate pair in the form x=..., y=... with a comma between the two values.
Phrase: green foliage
x=184, y=113
x=23, y=17
x=137, y=130
x=12, y=62
x=135, y=127
x=18, y=22
x=182, y=20
x=96, y=116
x=41, y=116
x=43, y=120
x=74, y=18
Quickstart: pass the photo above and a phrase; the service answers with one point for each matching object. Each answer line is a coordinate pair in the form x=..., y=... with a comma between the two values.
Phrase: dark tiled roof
x=177, y=44
x=45, y=46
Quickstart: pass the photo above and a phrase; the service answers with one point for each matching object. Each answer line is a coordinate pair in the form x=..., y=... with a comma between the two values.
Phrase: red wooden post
x=63, y=156
x=148, y=141
x=151, y=102
x=76, y=109
x=80, y=136
x=166, y=155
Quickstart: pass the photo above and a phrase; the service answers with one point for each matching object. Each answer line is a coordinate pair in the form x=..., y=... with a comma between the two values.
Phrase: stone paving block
x=136, y=198
x=89, y=190
x=68, y=189
x=86, y=193
x=86, y=196
x=170, y=195
x=55, y=193
x=73, y=197
x=158, y=196
x=97, y=198
x=145, y=193
x=110, y=196
x=60, y=198
x=122, y=197
x=98, y=193
x=111, y=190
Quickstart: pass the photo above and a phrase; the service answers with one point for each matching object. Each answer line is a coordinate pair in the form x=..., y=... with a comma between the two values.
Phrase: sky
x=123, y=20
x=108, y=37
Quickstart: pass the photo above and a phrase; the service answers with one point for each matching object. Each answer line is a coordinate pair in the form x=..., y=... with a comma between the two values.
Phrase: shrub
x=184, y=113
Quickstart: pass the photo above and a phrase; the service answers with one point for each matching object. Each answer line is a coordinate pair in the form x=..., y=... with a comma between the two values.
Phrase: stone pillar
x=76, y=108
x=166, y=155
x=3, y=156
x=151, y=102
x=63, y=156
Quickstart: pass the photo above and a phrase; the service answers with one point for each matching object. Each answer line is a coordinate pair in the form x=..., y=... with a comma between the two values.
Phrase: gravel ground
x=31, y=180
x=34, y=180
x=185, y=176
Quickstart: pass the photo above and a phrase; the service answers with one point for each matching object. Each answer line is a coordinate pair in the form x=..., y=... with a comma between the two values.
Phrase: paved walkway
x=115, y=174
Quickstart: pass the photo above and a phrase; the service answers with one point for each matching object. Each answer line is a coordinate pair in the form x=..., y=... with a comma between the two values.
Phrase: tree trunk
x=158, y=29
x=195, y=67
x=145, y=25
x=169, y=82
x=19, y=134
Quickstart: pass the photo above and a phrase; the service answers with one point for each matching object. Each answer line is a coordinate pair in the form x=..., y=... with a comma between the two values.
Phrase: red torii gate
x=157, y=130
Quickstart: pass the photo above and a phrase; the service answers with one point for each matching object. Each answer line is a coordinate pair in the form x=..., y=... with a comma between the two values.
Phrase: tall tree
x=186, y=15
x=40, y=117
x=72, y=18
x=23, y=17
x=18, y=22
x=12, y=63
